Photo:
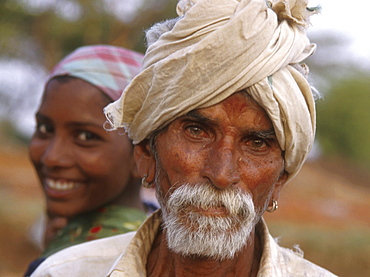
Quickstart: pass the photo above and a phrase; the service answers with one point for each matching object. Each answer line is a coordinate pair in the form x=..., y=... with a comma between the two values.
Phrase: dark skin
x=229, y=144
x=80, y=165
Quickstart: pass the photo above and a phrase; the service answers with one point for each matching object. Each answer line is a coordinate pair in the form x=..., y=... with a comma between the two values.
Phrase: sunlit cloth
x=219, y=47
x=109, y=68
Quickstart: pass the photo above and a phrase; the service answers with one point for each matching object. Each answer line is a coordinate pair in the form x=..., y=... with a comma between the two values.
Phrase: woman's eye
x=86, y=136
x=44, y=128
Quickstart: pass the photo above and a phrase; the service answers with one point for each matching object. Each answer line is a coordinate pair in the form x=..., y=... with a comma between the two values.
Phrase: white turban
x=217, y=48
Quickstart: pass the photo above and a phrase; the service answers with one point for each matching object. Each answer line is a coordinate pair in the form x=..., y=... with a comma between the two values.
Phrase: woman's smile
x=62, y=185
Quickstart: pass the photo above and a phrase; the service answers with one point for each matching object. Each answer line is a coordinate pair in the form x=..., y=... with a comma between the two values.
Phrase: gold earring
x=144, y=183
x=274, y=206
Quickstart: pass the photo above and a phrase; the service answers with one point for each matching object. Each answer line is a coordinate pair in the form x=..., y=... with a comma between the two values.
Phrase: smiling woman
x=80, y=165
x=88, y=175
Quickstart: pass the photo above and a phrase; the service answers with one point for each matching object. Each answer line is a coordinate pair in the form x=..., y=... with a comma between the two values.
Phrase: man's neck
x=164, y=262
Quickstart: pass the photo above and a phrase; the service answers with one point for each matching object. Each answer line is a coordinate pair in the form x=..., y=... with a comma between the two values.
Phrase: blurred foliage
x=331, y=61
x=46, y=31
x=343, y=119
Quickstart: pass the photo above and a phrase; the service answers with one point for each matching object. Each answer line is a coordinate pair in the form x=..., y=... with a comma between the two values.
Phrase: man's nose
x=221, y=167
x=57, y=154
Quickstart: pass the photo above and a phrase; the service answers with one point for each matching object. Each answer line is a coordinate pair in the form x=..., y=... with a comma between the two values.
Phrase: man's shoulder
x=96, y=256
x=296, y=265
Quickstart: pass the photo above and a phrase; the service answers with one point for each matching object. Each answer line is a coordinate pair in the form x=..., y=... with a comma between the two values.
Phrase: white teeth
x=58, y=185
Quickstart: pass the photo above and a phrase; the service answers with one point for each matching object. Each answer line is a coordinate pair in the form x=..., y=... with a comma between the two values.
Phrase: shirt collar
x=133, y=261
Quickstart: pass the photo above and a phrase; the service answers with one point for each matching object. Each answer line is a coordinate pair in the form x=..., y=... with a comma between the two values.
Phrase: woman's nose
x=221, y=167
x=57, y=154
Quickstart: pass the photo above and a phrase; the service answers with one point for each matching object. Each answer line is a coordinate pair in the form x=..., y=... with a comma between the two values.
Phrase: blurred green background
x=36, y=34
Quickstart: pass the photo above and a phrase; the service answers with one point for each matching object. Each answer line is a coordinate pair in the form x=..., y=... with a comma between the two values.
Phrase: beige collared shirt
x=126, y=255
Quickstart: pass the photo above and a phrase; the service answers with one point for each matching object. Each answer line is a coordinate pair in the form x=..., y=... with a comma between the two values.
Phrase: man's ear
x=279, y=185
x=145, y=160
x=134, y=171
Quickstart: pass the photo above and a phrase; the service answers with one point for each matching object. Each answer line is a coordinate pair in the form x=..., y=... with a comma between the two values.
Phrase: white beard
x=216, y=237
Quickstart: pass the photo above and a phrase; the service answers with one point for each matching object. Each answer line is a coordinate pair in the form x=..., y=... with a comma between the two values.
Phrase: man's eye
x=258, y=143
x=86, y=136
x=195, y=130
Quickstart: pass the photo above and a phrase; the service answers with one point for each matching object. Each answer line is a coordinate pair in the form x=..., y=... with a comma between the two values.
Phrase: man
x=222, y=117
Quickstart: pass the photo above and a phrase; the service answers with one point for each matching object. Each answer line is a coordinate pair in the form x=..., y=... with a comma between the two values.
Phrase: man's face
x=231, y=150
x=229, y=144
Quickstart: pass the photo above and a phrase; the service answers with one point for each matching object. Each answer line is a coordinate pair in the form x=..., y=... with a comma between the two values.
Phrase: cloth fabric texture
x=105, y=222
x=126, y=256
x=216, y=48
x=109, y=68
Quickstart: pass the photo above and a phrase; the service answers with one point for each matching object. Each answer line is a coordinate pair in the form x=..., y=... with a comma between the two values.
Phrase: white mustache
x=219, y=237
x=206, y=196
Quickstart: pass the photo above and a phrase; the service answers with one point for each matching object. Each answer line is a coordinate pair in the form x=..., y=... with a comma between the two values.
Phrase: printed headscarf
x=109, y=68
x=216, y=48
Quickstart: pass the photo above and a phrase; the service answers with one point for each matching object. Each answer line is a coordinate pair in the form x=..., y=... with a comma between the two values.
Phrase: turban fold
x=109, y=68
x=216, y=48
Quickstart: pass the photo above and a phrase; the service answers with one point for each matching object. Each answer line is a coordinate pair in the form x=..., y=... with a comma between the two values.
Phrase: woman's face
x=80, y=165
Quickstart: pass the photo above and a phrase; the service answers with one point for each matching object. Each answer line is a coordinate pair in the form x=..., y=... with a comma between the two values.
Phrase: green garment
x=104, y=222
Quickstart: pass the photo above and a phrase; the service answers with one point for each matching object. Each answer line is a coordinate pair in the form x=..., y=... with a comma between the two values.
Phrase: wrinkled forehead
x=239, y=111
x=237, y=105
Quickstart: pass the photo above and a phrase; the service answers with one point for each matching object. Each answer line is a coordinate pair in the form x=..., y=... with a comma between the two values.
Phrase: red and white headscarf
x=109, y=68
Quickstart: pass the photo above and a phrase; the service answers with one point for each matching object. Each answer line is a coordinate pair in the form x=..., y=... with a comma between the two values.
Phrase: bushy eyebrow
x=264, y=134
x=196, y=116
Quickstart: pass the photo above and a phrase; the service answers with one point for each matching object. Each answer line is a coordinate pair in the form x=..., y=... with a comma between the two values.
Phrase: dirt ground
x=325, y=210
